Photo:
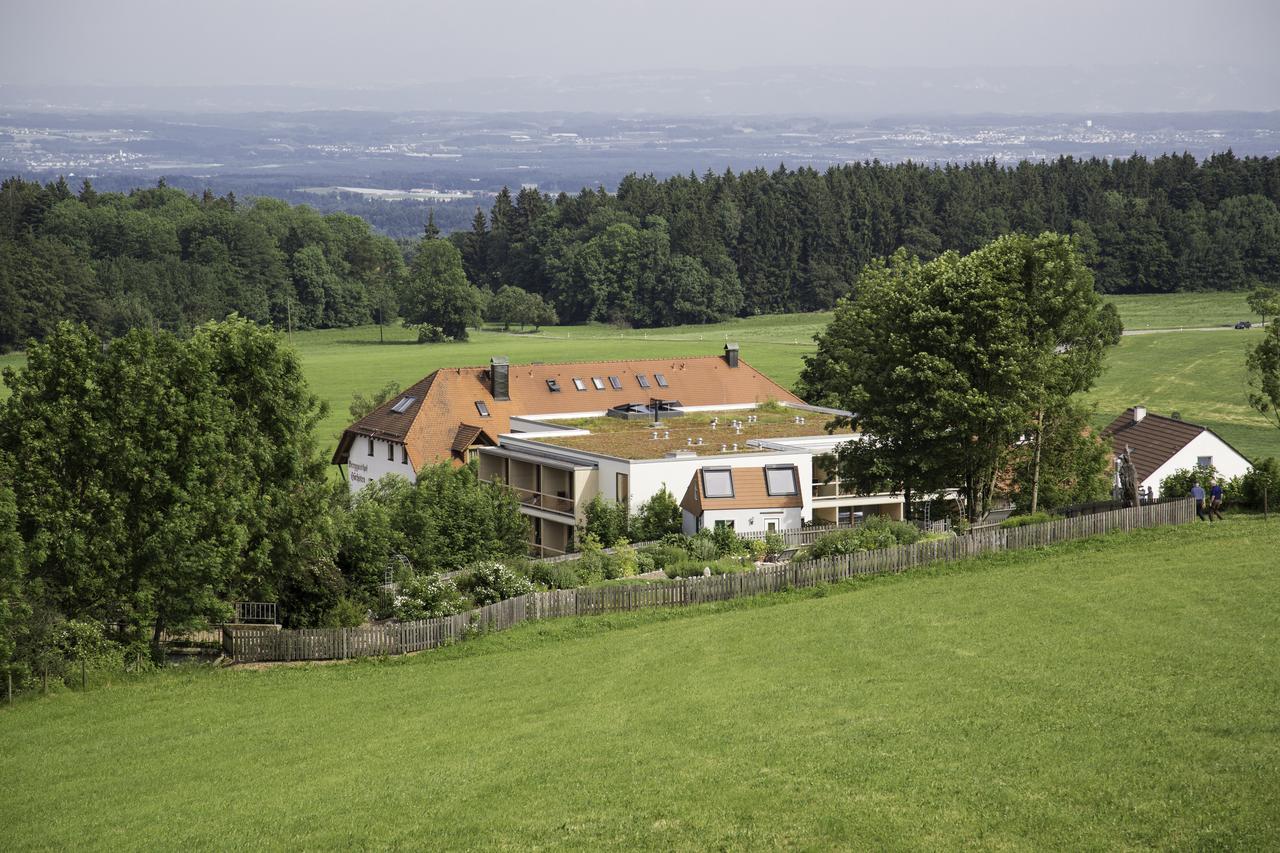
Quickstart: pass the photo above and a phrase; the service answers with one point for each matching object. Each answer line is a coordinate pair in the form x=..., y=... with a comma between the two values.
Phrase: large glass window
x=781, y=480
x=643, y=380
x=717, y=482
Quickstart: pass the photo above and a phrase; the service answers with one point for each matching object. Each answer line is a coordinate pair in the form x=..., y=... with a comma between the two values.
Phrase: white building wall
x=747, y=520
x=363, y=469
x=1227, y=461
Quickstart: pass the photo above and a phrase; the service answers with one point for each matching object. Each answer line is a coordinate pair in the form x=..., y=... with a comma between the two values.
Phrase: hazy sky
x=389, y=42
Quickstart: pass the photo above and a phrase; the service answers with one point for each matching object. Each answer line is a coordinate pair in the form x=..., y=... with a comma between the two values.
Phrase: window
x=616, y=383
x=717, y=482
x=598, y=382
x=622, y=488
x=643, y=380
x=404, y=454
x=391, y=452
x=1204, y=461
x=660, y=379
x=554, y=386
x=579, y=384
x=403, y=404
x=370, y=446
x=771, y=525
x=482, y=408
x=781, y=480
x=722, y=523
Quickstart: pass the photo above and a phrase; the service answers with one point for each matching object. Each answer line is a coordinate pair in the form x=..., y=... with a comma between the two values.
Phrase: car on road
x=1244, y=324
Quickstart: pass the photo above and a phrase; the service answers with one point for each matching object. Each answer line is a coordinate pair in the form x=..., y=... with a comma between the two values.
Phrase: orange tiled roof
x=447, y=398
x=749, y=492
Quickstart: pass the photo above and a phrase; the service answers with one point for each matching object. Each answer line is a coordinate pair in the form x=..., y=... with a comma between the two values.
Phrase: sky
x=400, y=42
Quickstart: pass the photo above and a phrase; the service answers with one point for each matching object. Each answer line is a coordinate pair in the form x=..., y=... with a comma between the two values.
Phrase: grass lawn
x=1176, y=310
x=1117, y=692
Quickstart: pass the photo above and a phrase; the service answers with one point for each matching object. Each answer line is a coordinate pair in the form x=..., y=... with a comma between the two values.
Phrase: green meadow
x=1113, y=693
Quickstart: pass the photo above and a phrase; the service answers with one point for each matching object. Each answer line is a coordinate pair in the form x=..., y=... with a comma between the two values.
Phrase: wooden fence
x=251, y=643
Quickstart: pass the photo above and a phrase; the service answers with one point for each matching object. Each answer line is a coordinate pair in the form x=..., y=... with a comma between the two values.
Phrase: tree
x=1265, y=302
x=516, y=305
x=605, y=519
x=450, y=519
x=437, y=291
x=14, y=610
x=362, y=404
x=1262, y=374
x=1065, y=463
x=944, y=365
x=657, y=517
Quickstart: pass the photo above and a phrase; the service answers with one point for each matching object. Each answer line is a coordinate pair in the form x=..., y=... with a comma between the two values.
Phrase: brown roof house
x=734, y=447
x=1160, y=445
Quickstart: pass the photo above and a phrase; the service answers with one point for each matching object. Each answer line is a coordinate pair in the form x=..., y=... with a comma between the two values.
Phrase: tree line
x=160, y=258
x=689, y=249
x=686, y=249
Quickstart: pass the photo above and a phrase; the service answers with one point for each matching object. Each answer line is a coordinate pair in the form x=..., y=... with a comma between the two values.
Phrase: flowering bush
x=490, y=581
x=426, y=597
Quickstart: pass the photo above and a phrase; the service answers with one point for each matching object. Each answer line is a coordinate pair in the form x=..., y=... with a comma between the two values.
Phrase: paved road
x=1188, y=329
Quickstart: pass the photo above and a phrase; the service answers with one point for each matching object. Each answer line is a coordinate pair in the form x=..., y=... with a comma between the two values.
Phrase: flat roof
x=634, y=439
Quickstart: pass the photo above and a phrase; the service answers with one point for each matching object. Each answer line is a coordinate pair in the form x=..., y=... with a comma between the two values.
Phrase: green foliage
x=560, y=575
x=1263, y=374
x=157, y=257
x=774, y=545
x=14, y=610
x=593, y=565
x=607, y=520
x=1179, y=483
x=516, y=306
x=427, y=596
x=449, y=519
x=347, y=613
x=704, y=546
x=876, y=532
x=1024, y=520
x=756, y=548
x=436, y=291
x=691, y=568
x=658, y=516
x=623, y=561
x=1264, y=478
x=665, y=555
x=1074, y=464
x=945, y=364
x=488, y=581
x=727, y=542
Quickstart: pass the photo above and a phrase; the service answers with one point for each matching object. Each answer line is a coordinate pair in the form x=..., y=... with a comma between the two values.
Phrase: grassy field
x=1112, y=693
x=1199, y=374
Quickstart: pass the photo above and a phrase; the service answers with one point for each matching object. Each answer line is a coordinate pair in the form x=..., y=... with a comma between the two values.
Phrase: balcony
x=559, y=503
x=833, y=489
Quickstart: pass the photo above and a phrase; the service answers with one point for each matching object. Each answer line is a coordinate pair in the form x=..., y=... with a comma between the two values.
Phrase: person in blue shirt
x=1198, y=494
x=1215, y=500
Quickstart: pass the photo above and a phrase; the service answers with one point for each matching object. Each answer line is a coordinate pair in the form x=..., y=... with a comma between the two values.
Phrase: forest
x=685, y=249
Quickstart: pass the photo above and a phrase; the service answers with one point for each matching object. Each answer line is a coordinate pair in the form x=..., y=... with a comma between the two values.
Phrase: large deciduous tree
x=946, y=365
x=1262, y=365
x=437, y=293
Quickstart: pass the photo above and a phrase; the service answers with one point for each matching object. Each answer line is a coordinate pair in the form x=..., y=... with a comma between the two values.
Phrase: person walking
x=1198, y=494
x=1215, y=500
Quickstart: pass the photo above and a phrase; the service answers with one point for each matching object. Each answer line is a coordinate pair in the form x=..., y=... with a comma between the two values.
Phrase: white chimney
x=1139, y=412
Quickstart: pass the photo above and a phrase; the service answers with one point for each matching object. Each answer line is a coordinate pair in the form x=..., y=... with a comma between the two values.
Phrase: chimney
x=1139, y=412
x=500, y=377
x=731, y=354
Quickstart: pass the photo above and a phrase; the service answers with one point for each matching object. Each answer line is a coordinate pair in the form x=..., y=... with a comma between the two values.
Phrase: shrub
x=1024, y=520
x=606, y=519
x=665, y=555
x=774, y=545
x=426, y=597
x=877, y=532
x=557, y=575
x=645, y=563
x=1265, y=473
x=727, y=542
x=658, y=517
x=489, y=581
x=703, y=546
x=594, y=562
x=756, y=548
x=1178, y=484
x=346, y=613
x=696, y=568
x=622, y=563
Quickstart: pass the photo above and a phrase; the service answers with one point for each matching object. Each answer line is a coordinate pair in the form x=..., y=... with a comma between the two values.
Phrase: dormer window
x=553, y=386
x=598, y=381
x=717, y=482
x=579, y=384
x=482, y=408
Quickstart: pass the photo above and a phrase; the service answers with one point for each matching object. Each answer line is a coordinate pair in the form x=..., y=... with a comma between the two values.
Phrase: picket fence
x=247, y=643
